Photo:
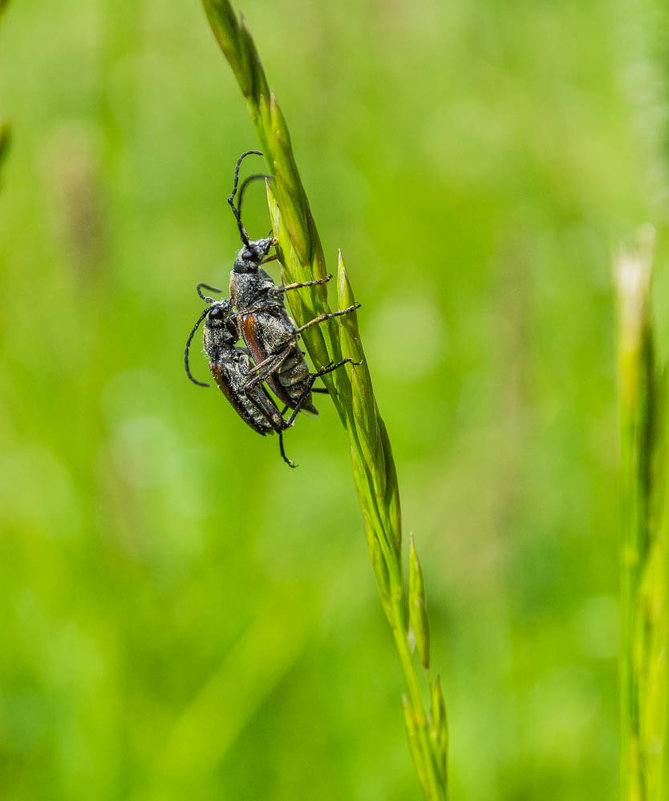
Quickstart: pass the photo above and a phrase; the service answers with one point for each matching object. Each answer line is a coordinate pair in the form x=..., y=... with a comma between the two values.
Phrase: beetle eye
x=215, y=313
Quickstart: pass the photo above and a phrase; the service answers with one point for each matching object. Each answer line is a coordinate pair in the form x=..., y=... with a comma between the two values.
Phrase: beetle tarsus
x=283, y=452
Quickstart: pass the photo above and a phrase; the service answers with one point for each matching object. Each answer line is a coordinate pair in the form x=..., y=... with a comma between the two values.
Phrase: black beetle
x=264, y=323
x=232, y=367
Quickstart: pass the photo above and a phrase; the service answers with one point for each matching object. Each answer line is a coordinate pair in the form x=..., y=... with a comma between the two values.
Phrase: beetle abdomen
x=267, y=334
x=255, y=407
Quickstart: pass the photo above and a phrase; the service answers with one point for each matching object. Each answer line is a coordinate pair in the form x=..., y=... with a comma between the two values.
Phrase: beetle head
x=251, y=256
x=220, y=328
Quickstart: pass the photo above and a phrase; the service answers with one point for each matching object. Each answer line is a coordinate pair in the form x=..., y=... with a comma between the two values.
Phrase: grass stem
x=302, y=259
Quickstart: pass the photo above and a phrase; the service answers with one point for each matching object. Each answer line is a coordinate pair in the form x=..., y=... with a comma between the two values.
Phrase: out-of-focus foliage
x=644, y=556
x=4, y=127
x=475, y=163
x=4, y=140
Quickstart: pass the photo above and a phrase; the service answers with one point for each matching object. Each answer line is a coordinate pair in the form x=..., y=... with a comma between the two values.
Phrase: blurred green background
x=183, y=616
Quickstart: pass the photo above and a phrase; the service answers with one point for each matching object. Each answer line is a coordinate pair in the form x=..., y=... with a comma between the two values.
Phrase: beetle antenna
x=202, y=286
x=245, y=184
x=189, y=340
x=238, y=166
x=240, y=225
x=231, y=199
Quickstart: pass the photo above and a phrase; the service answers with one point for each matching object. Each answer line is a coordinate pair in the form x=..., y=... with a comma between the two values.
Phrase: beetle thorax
x=219, y=336
x=243, y=289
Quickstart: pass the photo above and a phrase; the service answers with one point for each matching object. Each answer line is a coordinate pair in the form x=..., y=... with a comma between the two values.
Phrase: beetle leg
x=266, y=363
x=283, y=452
x=323, y=317
x=310, y=384
x=299, y=285
x=331, y=367
x=266, y=367
x=303, y=397
x=262, y=401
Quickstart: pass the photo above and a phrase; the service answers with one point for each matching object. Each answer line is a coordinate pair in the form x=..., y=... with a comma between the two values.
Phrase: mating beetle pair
x=269, y=332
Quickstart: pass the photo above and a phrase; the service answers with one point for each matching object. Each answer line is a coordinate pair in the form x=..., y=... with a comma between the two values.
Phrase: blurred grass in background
x=476, y=164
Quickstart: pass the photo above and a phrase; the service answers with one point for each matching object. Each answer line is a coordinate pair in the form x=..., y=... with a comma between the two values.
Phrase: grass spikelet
x=417, y=608
x=302, y=258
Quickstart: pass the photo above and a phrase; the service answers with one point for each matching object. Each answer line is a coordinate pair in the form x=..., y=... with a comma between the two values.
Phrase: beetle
x=232, y=367
x=264, y=323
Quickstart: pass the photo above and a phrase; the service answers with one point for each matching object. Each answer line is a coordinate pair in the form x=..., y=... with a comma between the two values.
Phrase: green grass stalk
x=302, y=259
x=644, y=612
